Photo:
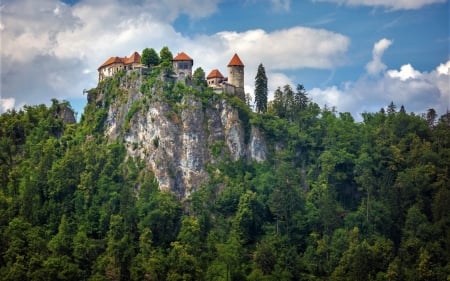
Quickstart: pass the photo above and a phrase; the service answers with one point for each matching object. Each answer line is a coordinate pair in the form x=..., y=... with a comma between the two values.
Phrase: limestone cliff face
x=178, y=144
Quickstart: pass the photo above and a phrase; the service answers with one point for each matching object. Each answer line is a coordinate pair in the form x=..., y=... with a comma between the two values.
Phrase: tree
x=301, y=97
x=166, y=58
x=149, y=57
x=431, y=117
x=198, y=78
x=261, y=89
x=276, y=106
x=391, y=108
x=247, y=222
x=289, y=103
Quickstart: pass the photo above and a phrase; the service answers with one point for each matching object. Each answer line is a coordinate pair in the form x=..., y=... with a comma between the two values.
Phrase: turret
x=236, y=72
x=182, y=65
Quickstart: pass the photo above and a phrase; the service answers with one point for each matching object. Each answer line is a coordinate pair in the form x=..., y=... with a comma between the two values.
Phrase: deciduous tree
x=149, y=57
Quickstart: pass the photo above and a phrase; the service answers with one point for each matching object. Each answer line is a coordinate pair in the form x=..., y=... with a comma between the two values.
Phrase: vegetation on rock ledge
x=336, y=199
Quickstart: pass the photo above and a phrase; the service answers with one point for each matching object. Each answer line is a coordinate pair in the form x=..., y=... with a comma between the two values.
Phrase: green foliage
x=134, y=108
x=335, y=200
x=217, y=148
x=166, y=58
x=149, y=85
x=149, y=57
x=199, y=77
x=244, y=115
x=261, y=90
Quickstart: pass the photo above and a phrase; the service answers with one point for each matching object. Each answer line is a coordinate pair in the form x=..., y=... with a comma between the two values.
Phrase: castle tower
x=236, y=72
x=182, y=65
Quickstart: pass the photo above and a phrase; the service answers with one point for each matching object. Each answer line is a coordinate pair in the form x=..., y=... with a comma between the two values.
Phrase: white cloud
x=57, y=48
x=6, y=104
x=406, y=72
x=444, y=69
x=417, y=91
x=281, y=49
x=275, y=80
x=375, y=66
x=390, y=4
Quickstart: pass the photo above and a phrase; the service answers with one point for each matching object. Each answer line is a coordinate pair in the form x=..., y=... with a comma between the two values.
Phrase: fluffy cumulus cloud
x=418, y=91
x=52, y=50
x=375, y=66
x=6, y=104
x=390, y=4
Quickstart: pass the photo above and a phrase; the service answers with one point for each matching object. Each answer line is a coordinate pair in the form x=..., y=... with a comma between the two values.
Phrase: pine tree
x=391, y=108
x=300, y=97
x=261, y=90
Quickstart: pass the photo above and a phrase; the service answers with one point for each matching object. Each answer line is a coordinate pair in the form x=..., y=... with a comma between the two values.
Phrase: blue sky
x=357, y=55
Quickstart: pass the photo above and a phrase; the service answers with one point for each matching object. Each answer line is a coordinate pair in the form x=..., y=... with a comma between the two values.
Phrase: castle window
x=183, y=65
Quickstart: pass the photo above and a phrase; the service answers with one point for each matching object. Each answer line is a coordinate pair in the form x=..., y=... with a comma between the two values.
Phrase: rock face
x=178, y=144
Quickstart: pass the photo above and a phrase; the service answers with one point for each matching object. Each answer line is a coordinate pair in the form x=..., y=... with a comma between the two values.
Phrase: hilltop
x=171, y=179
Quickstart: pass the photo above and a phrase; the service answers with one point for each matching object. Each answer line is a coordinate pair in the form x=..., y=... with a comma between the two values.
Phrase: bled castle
x=182, y=67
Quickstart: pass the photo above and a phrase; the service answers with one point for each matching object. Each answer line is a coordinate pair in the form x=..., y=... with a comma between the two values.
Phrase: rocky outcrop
x=177, y=143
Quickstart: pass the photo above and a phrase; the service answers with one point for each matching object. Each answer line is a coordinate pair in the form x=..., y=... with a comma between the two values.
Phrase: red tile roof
x=134, y=58
x=109, y=61
x=182, y=56
x=215, y=73
x=235, y=61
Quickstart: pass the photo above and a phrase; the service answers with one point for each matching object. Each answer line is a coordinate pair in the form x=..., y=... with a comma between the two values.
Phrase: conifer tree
x=261, y=89
x=391, y=108
x=300, y=97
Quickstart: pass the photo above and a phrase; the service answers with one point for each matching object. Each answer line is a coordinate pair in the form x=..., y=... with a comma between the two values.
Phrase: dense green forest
x=336, y=200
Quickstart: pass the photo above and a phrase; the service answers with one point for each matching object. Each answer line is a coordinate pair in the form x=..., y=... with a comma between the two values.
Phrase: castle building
x=236, y=72
x=215, y=79
x=114, y=64
x=234, y=83
x=235, y=77
x=182, y=65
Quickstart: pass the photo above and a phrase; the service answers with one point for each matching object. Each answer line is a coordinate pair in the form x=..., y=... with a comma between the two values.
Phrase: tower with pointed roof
x=182, y=65
x=236, y=72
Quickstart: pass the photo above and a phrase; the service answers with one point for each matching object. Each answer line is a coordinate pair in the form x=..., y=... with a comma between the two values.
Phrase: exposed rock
x=177, y=144
x=257, y=147
x=66, y=114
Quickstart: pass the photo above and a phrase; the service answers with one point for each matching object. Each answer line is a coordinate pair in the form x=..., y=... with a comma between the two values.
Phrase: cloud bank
x=52, y=50
x=418, y=91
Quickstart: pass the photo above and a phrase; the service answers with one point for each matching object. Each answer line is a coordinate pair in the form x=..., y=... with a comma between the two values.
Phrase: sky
x=354, y=55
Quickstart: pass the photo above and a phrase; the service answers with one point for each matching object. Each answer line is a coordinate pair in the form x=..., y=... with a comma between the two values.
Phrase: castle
x=115, y=64
x=182, y=67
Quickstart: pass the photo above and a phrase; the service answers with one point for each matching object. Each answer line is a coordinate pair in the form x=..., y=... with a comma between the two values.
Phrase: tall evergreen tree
x=301, y=97
x=261, y=89
x=391, y=109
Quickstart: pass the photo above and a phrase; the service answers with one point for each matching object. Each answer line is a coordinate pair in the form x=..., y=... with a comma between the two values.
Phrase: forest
x=336, y=200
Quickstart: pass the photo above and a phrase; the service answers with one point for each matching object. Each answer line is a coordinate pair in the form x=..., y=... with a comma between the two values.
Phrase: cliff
x=178, y=130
